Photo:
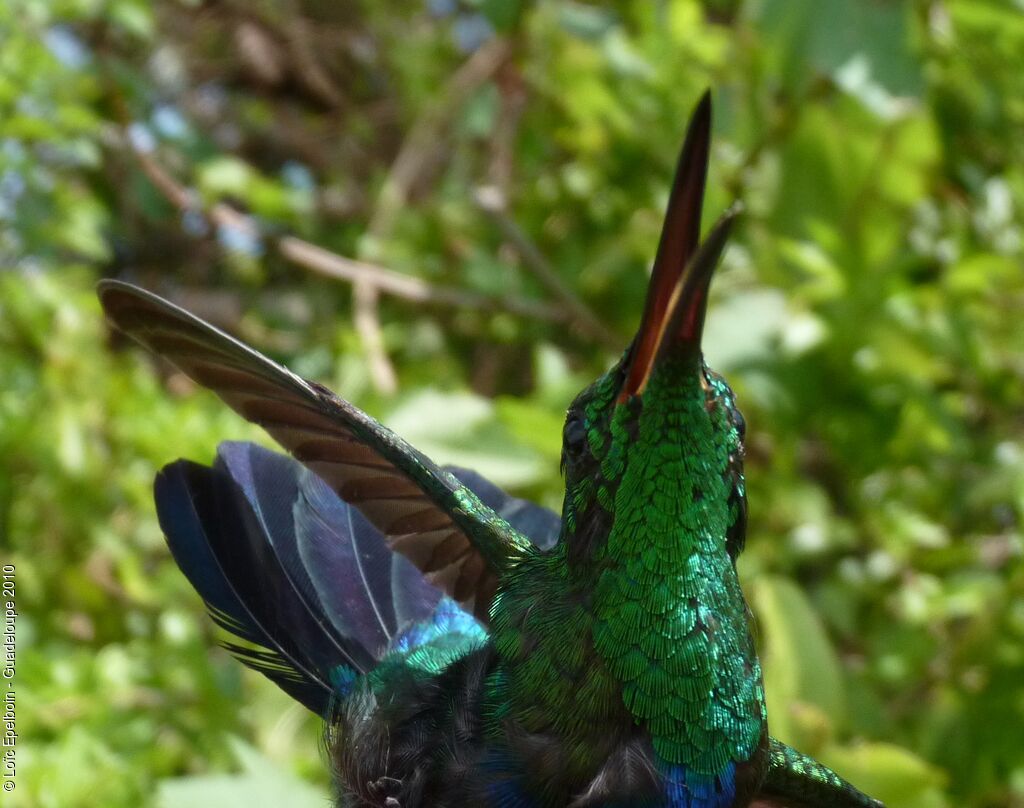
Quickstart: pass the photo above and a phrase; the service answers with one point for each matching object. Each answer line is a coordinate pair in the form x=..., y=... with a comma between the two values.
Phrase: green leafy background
x=870, y=315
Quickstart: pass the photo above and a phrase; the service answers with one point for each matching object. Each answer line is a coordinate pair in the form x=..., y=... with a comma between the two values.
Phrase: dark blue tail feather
x=287, y=567
x=300, y=576
x=211, y=539
x=369, y=592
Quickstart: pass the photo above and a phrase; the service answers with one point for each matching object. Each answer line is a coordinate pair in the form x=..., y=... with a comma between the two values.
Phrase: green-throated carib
x=471, y=649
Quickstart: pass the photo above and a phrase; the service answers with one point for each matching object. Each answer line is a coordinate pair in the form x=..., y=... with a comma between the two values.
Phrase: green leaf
x=463, y=430
x=743, y=327
x=803, y=679
x=222, y=176
x=889, y=773
x=826, y=34
x=533, y=425
x=261, y=784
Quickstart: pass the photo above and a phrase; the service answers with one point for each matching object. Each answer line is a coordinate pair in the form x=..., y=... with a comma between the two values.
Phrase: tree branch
x=330, y=264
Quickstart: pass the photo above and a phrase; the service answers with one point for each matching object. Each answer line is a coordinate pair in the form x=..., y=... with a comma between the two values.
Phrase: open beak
x=678, y=293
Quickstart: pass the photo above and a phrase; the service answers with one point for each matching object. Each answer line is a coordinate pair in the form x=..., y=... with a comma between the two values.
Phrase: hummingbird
x=468, y=648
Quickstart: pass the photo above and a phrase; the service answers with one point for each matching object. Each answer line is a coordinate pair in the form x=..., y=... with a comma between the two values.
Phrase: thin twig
x=425, y=135
x=187, y=201
x=325, y=262
x=364, y=315
x=490, y=200
x=419, y=149
x=364, y=293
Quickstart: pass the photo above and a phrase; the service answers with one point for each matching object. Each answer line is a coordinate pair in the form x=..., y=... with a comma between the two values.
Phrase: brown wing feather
x=423, y=511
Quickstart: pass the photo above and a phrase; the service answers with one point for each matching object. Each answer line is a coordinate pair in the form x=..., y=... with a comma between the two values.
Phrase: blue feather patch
x=344, y=678
x=448, y=618
x=504, y=786
x=685, y=789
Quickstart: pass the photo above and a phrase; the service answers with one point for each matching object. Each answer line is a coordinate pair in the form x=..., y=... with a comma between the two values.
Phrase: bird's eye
x=740, y=422
x=575, y=436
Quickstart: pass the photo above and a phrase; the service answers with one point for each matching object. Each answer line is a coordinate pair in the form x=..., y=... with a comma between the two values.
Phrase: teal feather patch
x=669, y=618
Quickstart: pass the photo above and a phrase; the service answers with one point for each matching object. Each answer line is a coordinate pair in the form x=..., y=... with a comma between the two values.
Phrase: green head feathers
x=655, y=508
x=660, y=431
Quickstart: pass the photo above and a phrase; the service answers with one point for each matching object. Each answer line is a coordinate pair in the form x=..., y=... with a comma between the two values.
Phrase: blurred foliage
x=868, y=315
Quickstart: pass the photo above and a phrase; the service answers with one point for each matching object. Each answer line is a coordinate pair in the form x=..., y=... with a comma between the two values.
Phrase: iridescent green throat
x=670, y=622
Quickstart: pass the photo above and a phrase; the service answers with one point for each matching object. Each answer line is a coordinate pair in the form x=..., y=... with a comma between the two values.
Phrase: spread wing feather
x=424, y=512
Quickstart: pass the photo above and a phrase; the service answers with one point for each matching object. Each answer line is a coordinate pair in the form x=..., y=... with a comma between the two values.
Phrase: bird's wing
x=797, y=781
x=424, y=512
x=540, y=525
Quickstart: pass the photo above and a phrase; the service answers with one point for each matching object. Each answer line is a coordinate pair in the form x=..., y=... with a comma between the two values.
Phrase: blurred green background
x=510, y=161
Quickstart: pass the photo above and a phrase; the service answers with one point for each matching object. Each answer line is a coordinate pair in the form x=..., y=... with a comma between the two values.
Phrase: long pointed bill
x=679, y=237
x=679, y=331
x=684, y=318
x=677, y=296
